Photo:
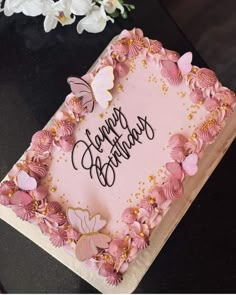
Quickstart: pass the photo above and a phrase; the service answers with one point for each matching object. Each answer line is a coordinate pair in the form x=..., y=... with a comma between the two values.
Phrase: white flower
x=95, y=21
x=55, y=12
x=81, y=7
x=112, y=5
x=28, y=7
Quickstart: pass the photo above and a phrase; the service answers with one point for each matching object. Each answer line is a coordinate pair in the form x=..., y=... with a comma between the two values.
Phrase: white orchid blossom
x=81, y=7
x=55, y=12
x=97, y=12
x=111, y=5
x=28, y=7
x=95, y=21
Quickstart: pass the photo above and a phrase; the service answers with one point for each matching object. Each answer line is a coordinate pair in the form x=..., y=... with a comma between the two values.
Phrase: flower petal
x=94, y=22
x=50, y=23
x=80, y=7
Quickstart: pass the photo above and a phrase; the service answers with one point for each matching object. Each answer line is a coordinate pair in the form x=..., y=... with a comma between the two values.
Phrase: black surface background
x=200, y=254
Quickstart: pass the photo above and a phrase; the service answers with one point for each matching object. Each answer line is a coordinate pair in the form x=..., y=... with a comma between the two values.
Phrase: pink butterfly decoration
x=95, y=90
x=175, y=71
x=175, y=169
x=189, y=165
x=81, y=88
x=20, y=199
x=90, y=240
x=26, y=182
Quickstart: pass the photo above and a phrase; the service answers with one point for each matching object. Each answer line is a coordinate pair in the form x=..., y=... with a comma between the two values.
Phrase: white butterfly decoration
x=90, y=240
x=97, y=91
x=25, y=181
x=184, y=63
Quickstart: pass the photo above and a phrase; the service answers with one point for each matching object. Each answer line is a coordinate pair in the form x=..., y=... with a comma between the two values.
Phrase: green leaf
x=115, y=14
x=124, y=15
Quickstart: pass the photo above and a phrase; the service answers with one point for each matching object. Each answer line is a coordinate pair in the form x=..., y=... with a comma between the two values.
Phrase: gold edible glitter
x=100, y=116
x=120, y=87
x=164, y=87
x=136, y=211
x=144, y=63
x=151, y=178
x=190, y=116
x=53, y=189
x=181, y=94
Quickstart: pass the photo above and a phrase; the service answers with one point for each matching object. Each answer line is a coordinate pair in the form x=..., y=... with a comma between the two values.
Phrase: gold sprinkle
x=136, y=211
x=144, y=63
x=151, y=178
x=10, y=195
x=194, y=135
x=190, y=116
x=53, y=189
x=120, y=87
x=100, y=116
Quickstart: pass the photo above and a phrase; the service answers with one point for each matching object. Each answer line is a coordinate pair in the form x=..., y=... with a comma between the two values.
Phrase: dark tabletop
x=200, y=256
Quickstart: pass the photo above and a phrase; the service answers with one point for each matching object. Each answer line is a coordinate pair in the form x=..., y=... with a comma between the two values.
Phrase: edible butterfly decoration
x=26, y=182
x=172, y=70
x=97, y=90
x=91, y=240
x=189, y=166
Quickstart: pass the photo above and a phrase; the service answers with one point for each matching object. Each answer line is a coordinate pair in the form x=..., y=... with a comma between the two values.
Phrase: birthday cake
x=102, y=174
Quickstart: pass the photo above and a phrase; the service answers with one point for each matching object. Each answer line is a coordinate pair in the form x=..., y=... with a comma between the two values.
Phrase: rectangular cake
x=103, y=185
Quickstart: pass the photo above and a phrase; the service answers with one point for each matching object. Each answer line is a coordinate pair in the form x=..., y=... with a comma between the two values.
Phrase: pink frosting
x=73, y=235
x=116, y=247
x=173, y=188
x=118, y=51
x=106, y=269
x=64, y=128
x=208, y=130
x=133, y=40
x=178, y=154
x=6, y=190
x=177, y=140
x=20, y=198
x=129, y=215
x=54, y=207
x=66, y=143
x=74, y=104
x=194, y=145
x=121, y=70
x=196, y=96
x=25, y=212
x=171, y=55
x=37, y=169
x=39, y=193
x=41, y=141
x=140, y=234
x=175, y=169
x=226, y=96
x=33, y=156
x=211, y=104
x=114, y=279
x=206, y=78
x=58, y=237
x=58, y=218
x=153, y=48
x=171, y=72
